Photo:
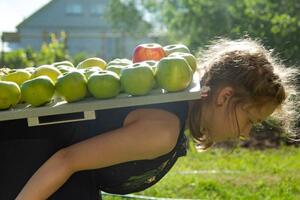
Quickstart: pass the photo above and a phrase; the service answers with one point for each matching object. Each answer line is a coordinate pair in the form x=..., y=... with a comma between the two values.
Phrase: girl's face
x=226, y=121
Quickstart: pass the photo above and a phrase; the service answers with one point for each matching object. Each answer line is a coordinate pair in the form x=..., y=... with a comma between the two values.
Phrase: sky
x=12, y=12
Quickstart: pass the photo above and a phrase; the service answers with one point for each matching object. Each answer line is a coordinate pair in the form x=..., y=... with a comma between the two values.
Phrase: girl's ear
x=224, y=95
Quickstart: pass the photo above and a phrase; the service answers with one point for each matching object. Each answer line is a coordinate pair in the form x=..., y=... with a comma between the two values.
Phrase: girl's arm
x=146, y=134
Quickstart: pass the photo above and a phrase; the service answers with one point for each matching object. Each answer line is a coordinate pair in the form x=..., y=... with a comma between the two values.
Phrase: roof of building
x=35, y=14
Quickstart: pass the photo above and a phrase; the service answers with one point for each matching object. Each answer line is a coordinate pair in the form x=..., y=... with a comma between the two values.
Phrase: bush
x=17, y=59
x=77, y=58
x=54, y=51
x=49, y=53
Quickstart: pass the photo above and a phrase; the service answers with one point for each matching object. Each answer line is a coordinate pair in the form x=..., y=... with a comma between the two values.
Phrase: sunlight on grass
x=243, y=174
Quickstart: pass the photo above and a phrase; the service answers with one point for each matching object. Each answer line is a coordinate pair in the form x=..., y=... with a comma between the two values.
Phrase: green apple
x=190, y=58
x=38, y=91
x=65, y=63
x=105, y=84
x=65, y=69
x=5, y=70
x=176, y=48
x=18, y=76
x=118, y=64
x=10, y=94
x=72, y=86
x=92, y=62
x=31, y=70
x=137, y=79
x=116, y=68
x=173, y=74
x=89, y=71
x=120, y=61
x=47, y=70
x=153, y=65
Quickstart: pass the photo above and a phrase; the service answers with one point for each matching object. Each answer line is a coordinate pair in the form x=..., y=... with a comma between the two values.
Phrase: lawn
x=242, y=174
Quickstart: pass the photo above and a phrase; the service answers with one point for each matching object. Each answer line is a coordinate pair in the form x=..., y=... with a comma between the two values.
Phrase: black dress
x=24, y=149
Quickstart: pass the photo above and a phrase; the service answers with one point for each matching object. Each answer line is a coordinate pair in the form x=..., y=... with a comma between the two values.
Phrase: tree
x=49, y=53
x=53, y=51
x=276, y=22
x=126, y=18
x=196, y=22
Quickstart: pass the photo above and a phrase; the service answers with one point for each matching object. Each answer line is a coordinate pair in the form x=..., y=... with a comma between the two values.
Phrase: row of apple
x=152, y=66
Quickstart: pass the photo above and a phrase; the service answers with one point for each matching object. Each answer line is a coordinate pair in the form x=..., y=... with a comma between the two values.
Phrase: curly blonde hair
x=256, y=75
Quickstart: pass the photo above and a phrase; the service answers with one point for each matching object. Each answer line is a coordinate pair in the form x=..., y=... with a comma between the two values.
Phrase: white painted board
x=91, y=104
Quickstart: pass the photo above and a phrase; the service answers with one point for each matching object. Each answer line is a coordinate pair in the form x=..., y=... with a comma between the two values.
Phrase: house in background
x=85, y=25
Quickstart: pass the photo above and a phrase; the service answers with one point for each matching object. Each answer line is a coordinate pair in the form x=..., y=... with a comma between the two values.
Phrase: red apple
x=149, y=51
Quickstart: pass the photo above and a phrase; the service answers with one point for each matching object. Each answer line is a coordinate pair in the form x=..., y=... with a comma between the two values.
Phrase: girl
x=136, y=146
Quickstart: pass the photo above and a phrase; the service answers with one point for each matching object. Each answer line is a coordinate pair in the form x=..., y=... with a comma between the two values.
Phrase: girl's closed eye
x=252, y=122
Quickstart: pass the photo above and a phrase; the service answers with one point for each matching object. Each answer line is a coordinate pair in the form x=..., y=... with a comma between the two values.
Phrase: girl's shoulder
x=117, y=117
x=152, y=114
x=169, y=111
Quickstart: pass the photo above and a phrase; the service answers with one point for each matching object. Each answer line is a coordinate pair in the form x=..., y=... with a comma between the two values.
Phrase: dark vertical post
x=2, y=61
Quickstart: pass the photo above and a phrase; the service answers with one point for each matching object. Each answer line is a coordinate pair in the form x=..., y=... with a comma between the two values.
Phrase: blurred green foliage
x=221, y=175
x=196, y=22
x=54, y=51
x=77, y=58
x=18, y=59
x=51, y=52
x=125, y=17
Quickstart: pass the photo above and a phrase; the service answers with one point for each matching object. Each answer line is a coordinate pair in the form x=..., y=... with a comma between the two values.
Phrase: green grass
x=269, y=174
